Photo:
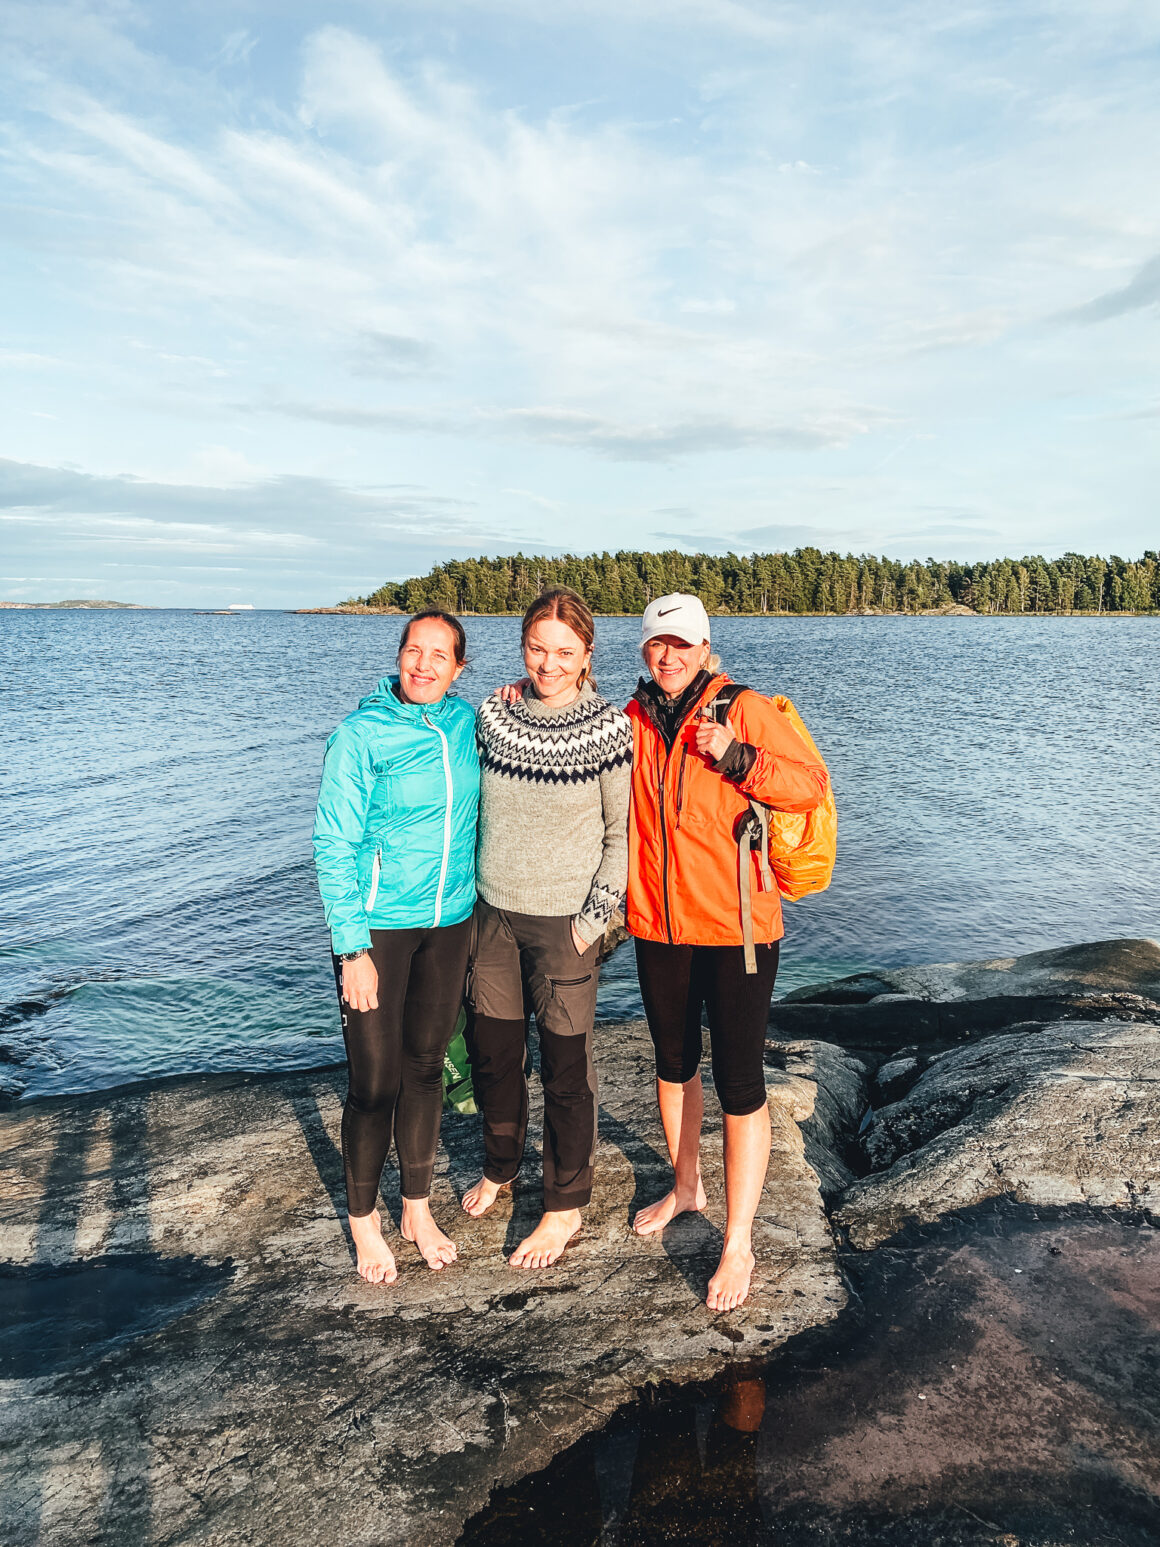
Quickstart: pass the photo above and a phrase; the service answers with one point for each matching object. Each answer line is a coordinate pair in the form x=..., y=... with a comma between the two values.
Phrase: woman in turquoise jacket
x=394, y=848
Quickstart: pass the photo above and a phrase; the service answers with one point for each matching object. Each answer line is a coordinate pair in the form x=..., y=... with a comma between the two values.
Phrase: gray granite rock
x=939, y=1004
x=824, y=1090
x=1048, y=1114
x=189, y=1356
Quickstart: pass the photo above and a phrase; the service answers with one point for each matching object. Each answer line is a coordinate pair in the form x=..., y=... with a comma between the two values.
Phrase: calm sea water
x=996, y=781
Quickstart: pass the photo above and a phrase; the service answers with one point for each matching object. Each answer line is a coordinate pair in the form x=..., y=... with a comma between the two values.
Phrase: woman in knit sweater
x=552, y=866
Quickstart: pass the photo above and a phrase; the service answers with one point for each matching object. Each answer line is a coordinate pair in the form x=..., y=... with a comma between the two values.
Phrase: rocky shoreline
x=187, y=1355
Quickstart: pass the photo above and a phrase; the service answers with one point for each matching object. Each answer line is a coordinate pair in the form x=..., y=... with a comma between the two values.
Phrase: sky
x=297, y=298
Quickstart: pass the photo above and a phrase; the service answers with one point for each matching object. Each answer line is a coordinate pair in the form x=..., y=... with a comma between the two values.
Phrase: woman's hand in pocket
x=578, y=940
x=360, y=984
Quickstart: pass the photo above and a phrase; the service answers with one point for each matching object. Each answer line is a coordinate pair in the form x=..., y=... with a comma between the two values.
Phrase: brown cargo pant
x=522, y=962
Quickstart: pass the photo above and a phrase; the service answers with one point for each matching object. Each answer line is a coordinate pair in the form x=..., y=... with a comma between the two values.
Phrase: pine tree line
x=805, y=581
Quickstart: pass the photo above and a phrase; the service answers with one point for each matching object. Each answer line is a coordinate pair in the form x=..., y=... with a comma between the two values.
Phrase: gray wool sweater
x=553, y=808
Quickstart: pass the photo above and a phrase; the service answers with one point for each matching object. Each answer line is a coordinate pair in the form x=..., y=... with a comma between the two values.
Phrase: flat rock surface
x=1057, y=1114
x=189, y=1356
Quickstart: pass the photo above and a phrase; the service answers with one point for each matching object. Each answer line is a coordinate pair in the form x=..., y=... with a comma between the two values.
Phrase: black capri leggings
x=676, y=981
x=395, y=1058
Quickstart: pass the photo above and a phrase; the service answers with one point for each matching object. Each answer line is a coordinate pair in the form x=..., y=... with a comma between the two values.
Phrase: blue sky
x=297, y=298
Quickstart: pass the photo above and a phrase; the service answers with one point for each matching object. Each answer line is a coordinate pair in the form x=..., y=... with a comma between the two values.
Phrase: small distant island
x=77, y=606
x=806, y=582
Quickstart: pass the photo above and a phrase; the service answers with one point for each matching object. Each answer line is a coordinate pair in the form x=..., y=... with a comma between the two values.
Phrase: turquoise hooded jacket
x=394, y=833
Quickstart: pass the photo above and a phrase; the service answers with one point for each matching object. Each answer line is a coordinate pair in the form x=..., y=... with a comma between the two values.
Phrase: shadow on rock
x=54, y=1318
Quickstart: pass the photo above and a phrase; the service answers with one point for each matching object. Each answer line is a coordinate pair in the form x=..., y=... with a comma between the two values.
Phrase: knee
x=496, y=1048
x=566, y=1064
x=741, y=1095
x=371, y=1098
x=677, y=1065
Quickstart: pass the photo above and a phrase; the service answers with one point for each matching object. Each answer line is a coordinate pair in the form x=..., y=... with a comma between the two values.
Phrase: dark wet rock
x=937, y=1005
x=615, y=935
x=1055, y=1114
x=895, y=1078
x=993, y=1383
x=265, y=1394
x=823, y=1089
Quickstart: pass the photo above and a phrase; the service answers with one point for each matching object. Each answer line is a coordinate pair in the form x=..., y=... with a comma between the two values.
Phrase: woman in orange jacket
x=692, y=780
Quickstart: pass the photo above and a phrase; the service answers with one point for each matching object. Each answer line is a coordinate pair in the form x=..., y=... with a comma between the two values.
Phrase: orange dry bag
x=803, y=845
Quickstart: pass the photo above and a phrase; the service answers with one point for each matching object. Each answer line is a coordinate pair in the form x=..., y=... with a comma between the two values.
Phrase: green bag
x=458, y=1091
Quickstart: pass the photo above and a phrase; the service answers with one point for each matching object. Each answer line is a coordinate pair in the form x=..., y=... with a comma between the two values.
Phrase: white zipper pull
x=447, y=809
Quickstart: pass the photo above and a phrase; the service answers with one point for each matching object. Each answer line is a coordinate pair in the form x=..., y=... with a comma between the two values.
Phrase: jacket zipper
x=664, y=824
x=376, y=866
x=665, y=849
x=446, y=820
x=681, y=780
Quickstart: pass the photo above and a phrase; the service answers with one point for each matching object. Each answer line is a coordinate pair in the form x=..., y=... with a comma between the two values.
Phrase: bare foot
x=547, y=1241
x=680, y=1200
x=729, y=1286
x=375, y=1262
x=478, y=1199
x=420, y=1228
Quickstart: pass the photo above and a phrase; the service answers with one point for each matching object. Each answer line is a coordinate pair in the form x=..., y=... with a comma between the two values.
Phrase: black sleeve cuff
x=737, y=761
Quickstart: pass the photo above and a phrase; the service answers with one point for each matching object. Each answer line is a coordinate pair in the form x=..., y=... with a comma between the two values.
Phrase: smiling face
x=427, y=664
x=673, y=663
x=555, y=657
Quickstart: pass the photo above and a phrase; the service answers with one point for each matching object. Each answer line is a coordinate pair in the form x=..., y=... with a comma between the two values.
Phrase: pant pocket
x=571, y=1004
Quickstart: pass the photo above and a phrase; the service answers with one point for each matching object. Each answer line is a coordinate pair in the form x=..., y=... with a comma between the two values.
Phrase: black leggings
x=395, y=1058
x=676, y=981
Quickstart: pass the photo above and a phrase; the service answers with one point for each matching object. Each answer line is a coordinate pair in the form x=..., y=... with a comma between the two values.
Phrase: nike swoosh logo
x=664, y=612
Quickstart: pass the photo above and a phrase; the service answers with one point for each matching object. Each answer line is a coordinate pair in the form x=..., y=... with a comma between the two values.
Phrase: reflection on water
x=995, y=778
x=679, y=1471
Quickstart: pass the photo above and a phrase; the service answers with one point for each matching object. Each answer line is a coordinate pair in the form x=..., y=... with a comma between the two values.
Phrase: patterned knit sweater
x=553, y=808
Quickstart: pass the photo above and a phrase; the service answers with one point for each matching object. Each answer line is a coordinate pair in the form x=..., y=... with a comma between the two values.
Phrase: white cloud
x=237, y=48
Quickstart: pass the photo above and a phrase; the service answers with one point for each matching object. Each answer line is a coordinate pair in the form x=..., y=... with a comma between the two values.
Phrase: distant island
x=804, y=582
x=81, y=606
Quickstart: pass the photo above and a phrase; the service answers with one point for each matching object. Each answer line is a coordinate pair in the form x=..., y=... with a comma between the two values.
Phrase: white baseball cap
x=678, y=614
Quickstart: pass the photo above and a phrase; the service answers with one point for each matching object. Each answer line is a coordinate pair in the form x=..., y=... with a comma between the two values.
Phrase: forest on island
x=804, y=581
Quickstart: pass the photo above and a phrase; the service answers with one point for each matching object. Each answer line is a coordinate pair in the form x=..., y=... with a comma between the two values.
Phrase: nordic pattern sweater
x=553, y=808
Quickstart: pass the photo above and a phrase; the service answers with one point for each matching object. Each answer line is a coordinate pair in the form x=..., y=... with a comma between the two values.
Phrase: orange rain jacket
x=683, y=883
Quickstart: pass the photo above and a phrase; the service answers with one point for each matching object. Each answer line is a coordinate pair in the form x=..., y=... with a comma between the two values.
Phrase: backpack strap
x=752, y=833
x=727, y=696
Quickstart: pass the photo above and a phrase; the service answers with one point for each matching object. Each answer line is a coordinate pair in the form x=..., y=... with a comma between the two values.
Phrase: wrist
x=354, y=956
x=584, y=930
